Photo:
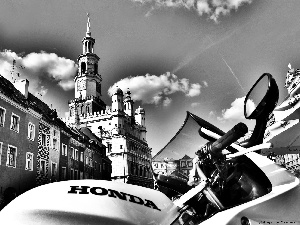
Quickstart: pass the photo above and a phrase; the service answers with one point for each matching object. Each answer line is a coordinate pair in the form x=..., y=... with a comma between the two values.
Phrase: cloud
x=37, y=67
x=152, y=89
x=59, y=68
x=167, y=101
x=236, y=111
x=41, y=92
x=212, y=8
x=195, y=104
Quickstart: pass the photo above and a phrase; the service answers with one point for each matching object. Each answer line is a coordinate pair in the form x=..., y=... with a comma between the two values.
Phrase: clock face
x=81, y=85
x=91, y=61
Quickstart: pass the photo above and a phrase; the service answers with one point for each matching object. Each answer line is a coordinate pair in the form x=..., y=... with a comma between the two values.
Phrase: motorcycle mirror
x=254, y=103
x=260, y=101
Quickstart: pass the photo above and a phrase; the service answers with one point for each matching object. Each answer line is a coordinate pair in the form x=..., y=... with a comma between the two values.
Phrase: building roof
x=140, y=110
x=8, y=89
x=118, y=91
x=31, y=102
x=90, y=134
x=185, y=157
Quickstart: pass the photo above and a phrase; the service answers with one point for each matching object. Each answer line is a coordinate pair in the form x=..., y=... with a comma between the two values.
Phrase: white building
x=281, y=117
x=121, y=128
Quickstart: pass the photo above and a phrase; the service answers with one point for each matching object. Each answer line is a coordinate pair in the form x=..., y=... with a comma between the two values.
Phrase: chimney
x=22, y=86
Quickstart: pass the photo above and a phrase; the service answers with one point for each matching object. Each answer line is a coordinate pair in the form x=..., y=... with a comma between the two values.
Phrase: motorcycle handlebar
x=227, y=139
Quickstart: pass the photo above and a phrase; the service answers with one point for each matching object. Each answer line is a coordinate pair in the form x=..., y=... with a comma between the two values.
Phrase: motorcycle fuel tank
x=90, y=202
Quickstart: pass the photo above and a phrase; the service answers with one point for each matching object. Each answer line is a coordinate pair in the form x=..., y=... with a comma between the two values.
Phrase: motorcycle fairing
x=280, y=206
x=90, y=202
x=280, y=183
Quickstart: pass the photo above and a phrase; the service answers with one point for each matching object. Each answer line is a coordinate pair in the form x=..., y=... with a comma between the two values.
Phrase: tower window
x=96, y=67
x=83, y=67
x=98, y=88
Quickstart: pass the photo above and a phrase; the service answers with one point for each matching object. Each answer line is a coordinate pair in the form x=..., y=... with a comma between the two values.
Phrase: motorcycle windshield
x=177, y=155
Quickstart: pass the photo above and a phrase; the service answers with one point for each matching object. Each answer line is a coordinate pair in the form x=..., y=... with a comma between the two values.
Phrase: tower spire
x=88, y=26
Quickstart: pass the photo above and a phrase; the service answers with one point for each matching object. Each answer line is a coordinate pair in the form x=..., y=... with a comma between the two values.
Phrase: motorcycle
x=229, y=182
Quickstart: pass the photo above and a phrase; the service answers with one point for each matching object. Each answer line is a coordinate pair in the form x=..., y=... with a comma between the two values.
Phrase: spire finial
x=88, y=26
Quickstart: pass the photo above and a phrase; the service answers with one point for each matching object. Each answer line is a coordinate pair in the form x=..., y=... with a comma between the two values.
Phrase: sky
x=201, y=56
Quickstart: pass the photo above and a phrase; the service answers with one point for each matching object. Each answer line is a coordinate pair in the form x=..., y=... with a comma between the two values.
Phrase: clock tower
x=87, y=80
x=121, y=128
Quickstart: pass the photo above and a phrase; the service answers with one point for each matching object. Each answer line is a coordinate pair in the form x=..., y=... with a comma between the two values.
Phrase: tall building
x=121, y=128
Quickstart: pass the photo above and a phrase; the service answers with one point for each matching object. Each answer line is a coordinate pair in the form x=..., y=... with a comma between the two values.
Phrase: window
x=72, y=174
x=64, y=149
x=29, y=161
x=11, y=156
x=2, y=116
x=76, y=154
x=44, y=139
x=132, y=168
x=141, y=172
x=31, y=131
x=72, y=152
x=63, y=173
x=15, y=121
x=76, y=175
x=42, y=166
x=109, y=146
x=96, y=68
x=55, y=140
x=81, y=156
x=183, y=164
x=1, y=144
x=54, y=143
x=83, y=67
x=53, y=169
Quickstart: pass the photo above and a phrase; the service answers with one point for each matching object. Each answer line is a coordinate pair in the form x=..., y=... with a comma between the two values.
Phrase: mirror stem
x=257, y=136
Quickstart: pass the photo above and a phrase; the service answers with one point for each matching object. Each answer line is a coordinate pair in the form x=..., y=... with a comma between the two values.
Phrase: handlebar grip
x=227, y=139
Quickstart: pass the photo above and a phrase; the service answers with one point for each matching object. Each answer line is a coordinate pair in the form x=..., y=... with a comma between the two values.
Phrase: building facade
x=18, y=139
x=121, y=128
x=35, y=145
x=182, y=166
x=291, y=109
